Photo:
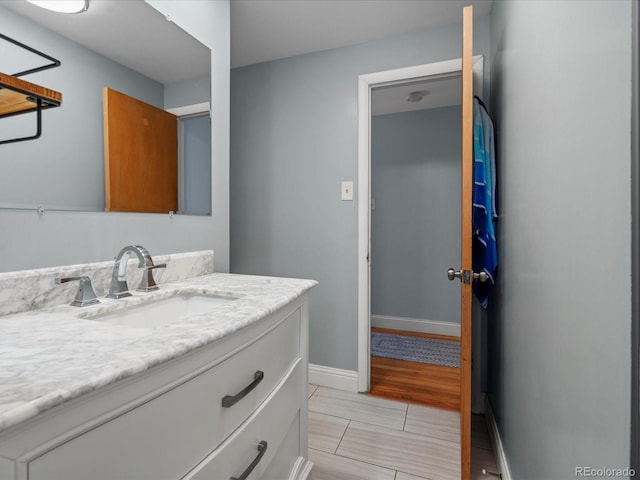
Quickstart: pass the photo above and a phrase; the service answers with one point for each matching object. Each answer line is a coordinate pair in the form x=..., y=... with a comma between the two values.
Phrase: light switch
x=347, y=190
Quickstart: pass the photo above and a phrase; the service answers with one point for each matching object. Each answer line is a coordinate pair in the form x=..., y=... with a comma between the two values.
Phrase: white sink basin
x=166, y=311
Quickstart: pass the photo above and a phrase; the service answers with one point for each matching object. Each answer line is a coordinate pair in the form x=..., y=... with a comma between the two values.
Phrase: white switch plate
x=347, y=190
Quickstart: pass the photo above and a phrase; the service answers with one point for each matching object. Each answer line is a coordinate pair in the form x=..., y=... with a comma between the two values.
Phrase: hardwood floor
x=414, y=382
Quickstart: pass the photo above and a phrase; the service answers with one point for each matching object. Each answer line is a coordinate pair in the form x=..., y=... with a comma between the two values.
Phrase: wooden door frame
x=365, y=84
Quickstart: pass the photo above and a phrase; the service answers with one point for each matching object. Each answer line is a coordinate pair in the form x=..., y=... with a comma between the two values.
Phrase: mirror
x=126, y=46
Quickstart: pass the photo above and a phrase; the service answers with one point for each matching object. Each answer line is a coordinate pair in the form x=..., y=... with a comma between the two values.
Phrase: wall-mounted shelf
x=18, y=96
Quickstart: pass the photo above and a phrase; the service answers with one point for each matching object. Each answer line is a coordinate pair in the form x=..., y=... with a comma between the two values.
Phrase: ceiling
x=132, y=33
x=136, y=35
x=442, y=92
x=264, y=30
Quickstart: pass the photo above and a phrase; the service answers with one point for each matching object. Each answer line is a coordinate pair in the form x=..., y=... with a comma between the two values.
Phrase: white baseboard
x=416, y=325
x=494, y=434
x=333, y=378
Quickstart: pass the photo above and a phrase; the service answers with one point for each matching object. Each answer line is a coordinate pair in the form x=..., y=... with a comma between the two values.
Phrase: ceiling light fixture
x=62, y=6
x=417, y=96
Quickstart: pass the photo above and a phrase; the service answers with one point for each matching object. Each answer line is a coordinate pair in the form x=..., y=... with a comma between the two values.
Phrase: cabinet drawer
x=165, y=437
x=286, y=455
x=275, y=423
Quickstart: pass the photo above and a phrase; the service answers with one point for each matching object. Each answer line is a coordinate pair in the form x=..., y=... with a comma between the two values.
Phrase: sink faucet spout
x=119, y=287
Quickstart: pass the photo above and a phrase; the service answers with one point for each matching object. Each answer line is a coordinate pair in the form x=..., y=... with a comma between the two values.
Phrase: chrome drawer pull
x=262, y=449
x=231, y=400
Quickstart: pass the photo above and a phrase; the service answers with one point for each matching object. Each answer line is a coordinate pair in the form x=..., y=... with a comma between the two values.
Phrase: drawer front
x=277, y=423
x=287, y=454
x=185, y=424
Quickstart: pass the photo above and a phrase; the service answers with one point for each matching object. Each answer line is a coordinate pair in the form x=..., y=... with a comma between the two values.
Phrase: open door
x=466, y=274
x=365, y=83
x=466, y=242
x=140, y=155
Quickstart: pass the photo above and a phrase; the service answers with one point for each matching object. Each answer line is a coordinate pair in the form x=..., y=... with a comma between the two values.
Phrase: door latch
x=466, y=276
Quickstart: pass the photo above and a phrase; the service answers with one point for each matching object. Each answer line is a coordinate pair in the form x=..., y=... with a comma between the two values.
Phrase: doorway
x=194, y=158
x=415, y=236
x=194, y=164
x=471, y=69
x=367, y=84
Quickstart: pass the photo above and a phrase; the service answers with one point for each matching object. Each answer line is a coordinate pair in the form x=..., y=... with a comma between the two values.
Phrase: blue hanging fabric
x=484, y=214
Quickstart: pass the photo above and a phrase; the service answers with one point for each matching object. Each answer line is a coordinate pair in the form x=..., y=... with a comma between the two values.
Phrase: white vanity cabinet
x=170, y=422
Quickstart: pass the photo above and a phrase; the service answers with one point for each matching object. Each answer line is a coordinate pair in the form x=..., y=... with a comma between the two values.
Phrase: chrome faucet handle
x=85, y=296
x=148, y=283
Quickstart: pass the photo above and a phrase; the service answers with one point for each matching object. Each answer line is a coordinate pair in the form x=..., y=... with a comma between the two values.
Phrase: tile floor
x=358, y=437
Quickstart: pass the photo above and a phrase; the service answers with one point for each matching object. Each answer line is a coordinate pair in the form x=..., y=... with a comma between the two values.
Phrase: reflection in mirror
x=126, y=46
x=194, y=162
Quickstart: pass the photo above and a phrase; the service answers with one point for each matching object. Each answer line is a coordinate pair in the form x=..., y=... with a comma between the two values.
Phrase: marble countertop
x=50, y=356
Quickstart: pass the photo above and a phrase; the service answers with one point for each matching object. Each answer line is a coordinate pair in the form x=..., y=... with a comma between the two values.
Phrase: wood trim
x=107, y=152
x=466, y=231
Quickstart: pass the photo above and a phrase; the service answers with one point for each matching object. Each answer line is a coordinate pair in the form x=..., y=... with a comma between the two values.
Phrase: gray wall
x=195, y=187
x=415, y=226
x=60, y=238
x=187, y=92
x=196, y=169
x=68, y=158
x=293, y=140
x=635, y=253
x=560, y=330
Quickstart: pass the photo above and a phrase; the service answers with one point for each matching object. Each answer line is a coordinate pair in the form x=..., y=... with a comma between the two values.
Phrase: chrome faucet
x=119, y=287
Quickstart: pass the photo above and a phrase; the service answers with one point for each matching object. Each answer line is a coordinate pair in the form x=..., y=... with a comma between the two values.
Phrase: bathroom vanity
x=218, y=393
